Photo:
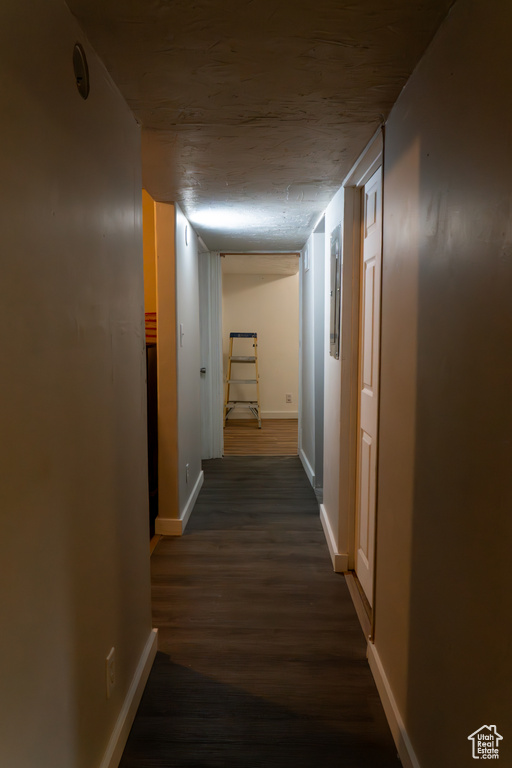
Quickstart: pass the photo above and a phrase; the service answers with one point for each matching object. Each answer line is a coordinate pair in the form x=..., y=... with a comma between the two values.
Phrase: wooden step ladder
x=252, y=405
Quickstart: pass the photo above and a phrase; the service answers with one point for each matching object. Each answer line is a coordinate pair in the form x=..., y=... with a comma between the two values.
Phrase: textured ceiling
x=253, y=111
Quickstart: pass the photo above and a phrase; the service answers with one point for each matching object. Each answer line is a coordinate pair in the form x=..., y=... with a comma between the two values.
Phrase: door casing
x=364, y=168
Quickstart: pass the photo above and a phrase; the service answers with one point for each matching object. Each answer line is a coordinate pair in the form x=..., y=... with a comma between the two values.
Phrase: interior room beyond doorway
x=260, y=295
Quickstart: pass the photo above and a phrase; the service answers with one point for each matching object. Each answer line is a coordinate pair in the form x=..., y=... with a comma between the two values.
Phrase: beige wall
x=269, y=306
x=149, y=250
x=73, y=486
x=165, y=247
x=332, y=385
x=443, y=620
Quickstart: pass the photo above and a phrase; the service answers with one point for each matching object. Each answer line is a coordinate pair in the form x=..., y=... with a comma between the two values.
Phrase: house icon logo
x=486, y=743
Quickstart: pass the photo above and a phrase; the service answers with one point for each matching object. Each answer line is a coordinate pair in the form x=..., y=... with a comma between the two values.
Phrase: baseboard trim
x=192, y=500
x=358, y=605
x=339, y=560
x=166, y=526
x=308, y=469
x=396, y=724
x=126, y=717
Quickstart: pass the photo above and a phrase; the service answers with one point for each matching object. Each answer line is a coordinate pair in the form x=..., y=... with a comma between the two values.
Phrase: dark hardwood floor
x=261, y=660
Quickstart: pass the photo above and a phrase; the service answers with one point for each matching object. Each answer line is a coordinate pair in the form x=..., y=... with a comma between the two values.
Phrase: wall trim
x=367, y=162
x=192, y=500
x=396, y=724
x=365, y=166
x=119, y=736
x=339, y=560
x=166, y=526
x=364, y=620
x=308, y=469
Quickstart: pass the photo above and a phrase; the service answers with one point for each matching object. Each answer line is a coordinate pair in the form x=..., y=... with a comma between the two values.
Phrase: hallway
x=255, y=668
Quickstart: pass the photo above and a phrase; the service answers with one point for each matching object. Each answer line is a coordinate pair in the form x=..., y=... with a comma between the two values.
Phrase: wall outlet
x=288, y=398
x=187, y=472
x=110, y=671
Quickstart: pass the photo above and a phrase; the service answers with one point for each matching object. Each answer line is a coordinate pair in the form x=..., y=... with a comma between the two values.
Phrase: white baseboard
x=396, y=724
x=192, y=500
x=308, y=469
x=124, y=722
x=166, y=526
x=339, y=559
x=244, y=414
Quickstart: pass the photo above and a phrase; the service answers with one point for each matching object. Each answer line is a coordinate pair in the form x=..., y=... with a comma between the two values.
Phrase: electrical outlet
x=187, y=472
x=289, y=398
x=110, y=671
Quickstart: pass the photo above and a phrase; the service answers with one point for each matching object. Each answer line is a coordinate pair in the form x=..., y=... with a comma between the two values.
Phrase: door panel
x=368, y=323
x=369, y=335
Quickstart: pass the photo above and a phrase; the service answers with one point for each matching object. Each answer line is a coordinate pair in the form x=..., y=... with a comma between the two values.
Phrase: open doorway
x=260, y=297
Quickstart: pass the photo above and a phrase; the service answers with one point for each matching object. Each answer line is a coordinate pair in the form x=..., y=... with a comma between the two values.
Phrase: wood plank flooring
x=261, y=660
x=277, y=437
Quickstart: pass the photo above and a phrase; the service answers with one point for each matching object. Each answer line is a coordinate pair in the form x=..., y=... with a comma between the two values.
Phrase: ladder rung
x=235, y=402
x=243, y=335
x=242, y=359
x=242, y=381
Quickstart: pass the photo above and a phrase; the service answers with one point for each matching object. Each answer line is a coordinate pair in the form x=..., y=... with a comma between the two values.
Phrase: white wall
x=307, y=362
x=332, y=383
x=189, y=365
x=268, y=305
x=444, y=530
x=212, y=380
x=73, y=486
x=312, y=289
x=318, y=262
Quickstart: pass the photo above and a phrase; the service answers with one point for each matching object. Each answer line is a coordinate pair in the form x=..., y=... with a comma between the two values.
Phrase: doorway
x=260, y=311
x=360, y=345
x=368, y=380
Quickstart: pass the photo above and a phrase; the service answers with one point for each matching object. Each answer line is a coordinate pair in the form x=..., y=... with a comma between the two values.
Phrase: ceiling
x=254, y=111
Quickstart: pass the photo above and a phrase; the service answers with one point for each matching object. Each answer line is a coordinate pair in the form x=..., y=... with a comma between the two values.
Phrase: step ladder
x=252, y=405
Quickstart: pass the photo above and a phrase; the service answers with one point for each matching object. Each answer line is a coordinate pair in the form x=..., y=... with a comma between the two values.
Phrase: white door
x=369, y=337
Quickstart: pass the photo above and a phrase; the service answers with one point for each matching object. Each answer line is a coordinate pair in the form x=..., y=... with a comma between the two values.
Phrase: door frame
x=369, y=161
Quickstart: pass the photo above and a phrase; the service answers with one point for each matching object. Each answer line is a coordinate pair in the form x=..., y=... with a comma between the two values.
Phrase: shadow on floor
x=187, y=720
